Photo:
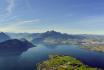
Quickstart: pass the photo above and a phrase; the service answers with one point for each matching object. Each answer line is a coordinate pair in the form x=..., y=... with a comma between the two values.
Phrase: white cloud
x=13, y=26
x=24, y=22
x=9, y=8
x=29, y=21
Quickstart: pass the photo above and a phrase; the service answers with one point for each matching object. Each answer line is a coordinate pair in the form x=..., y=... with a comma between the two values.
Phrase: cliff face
x=63, y=63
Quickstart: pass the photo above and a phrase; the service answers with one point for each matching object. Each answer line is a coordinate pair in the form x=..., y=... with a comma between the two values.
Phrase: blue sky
x=67, y=16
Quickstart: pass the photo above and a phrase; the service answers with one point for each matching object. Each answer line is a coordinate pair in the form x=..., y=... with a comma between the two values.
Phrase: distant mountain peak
x=52, y=32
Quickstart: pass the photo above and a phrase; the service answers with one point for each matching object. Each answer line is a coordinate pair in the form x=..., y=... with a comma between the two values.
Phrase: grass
x=56, y=62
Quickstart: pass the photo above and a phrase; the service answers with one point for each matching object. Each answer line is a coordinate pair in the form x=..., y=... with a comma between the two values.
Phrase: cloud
x=29, y=21
x=28, y=4
x=9, y=8
x=14, y=26
x=24, y=22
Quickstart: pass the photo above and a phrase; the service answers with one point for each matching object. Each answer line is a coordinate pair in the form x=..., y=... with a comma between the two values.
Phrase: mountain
x=15, y=45
x=27, y=36
x=95, y=37
x=54, y=34
x=53, y=37
x=37, y=40
x=4, y=37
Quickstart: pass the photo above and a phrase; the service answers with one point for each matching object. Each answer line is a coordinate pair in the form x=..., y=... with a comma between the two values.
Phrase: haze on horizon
x=67, y=16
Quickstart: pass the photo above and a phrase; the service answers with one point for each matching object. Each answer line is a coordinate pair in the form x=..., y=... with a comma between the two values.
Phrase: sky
x=67, y=16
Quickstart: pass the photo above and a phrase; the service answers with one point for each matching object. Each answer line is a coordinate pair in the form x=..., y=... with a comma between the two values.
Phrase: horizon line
x=55, y=31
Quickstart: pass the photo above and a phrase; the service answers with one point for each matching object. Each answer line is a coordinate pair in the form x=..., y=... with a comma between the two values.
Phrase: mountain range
x=53, y=37
x=24, y=40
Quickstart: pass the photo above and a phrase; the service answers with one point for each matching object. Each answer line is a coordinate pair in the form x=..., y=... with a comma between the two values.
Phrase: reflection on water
x=28, y=59
x=8, y=63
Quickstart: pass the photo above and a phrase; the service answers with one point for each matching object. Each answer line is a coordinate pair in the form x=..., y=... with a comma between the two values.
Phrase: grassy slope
x=63, y=63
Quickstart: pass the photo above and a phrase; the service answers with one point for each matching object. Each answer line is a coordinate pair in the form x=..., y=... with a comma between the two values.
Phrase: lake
x=27, y=60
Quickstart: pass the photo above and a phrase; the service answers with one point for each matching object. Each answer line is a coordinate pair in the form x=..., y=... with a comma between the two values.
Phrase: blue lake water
x=27, y=60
